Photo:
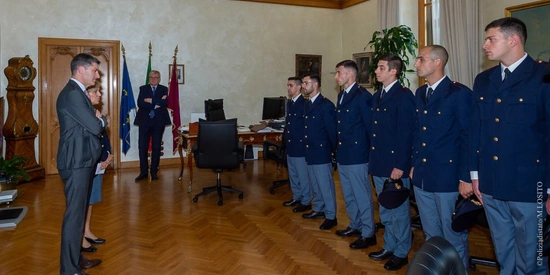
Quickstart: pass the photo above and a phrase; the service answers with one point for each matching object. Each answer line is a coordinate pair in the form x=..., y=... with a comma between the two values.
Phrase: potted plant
x=398, y=40
x=11, y=172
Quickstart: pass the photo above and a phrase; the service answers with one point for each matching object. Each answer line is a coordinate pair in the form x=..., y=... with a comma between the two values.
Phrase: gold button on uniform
x=423, y=160
x=425, y=112
x=375, y=122
x=373, y=135
x=423, y=144
x=372, y=147
x=495, y=139
x=495, y=158
x=339, y=143
x=450, y=160
x=521, y=100
x=424, y=128
x=499, y=100
x=497, y=120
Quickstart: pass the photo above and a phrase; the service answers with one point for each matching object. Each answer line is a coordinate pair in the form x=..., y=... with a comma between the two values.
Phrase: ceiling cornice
x=329, y=4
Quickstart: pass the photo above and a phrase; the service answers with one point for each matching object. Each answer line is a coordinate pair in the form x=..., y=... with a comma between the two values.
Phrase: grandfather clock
x=20, y=128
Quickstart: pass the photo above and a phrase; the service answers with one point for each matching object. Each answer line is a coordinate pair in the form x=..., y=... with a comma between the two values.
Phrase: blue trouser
x=436, y=211
x=322, y=184
x=397, y=222
x=515, y=232
x=299, y=181
x=356, y=189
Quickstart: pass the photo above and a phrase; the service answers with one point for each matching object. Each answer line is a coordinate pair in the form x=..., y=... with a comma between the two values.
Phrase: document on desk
x=270, y=130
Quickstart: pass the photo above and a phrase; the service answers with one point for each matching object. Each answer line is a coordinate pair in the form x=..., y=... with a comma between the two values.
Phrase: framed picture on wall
x=179, y=72
x=308, y=64
x=536, y=19
x=363, y=61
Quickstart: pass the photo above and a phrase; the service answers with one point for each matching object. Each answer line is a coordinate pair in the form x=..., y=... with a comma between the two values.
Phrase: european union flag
x=127, y=103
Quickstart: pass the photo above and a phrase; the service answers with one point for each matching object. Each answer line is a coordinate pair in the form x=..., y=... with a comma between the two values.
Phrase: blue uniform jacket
x=353, y=118
x=294, y=127
x=510, y=133
x=393, y=120
x=441, y=137
x=320, y=131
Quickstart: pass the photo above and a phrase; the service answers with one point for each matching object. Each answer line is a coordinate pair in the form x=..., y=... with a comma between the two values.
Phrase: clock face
x=25, y=73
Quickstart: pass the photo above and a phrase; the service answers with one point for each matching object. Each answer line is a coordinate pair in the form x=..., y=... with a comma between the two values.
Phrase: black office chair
x=213, y=110
x=436, y=256
x=276, y=151
x=218, y=148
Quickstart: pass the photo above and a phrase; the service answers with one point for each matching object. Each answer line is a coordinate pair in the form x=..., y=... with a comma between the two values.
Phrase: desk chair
x=436, y=256
x=276, y=151
x=213, y=110
x=217, y=148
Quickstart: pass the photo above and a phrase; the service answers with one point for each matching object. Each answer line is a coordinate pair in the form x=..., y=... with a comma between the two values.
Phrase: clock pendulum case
x=20, y=128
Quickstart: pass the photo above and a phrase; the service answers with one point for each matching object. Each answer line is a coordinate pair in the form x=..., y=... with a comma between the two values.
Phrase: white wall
x=239, y=51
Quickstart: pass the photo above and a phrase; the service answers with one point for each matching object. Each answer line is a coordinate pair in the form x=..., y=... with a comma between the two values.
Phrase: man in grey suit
x=79, y=150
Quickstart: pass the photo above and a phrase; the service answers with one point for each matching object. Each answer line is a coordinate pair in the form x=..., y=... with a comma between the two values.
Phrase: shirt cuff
x=473, y=175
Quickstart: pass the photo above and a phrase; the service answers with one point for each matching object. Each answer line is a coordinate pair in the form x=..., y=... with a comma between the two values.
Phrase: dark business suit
x=151, y=127
x=353, y=116
x=393, y=119
x=320, y=141
x=78, y=152
x=295, y=150
x=440, y=158
x=509, y=149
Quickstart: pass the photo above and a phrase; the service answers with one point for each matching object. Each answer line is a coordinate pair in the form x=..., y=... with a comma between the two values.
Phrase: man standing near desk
x=320, y=140
x=353, y=113
x=152, y=118
x=295, y=148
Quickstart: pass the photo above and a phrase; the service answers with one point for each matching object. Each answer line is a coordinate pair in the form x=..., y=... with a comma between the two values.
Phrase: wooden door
x=54, y=59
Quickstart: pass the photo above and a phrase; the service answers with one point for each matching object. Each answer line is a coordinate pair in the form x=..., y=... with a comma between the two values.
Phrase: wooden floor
x=155, y=228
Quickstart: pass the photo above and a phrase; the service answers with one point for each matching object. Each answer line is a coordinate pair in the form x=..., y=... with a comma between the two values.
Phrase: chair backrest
x=213, y=109
x=217, y=145
x=436, y=256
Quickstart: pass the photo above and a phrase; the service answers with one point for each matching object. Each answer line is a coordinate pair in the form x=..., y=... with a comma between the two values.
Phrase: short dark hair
x=348, y=64
x=509, y=26
x=314, y=77
x=394, y=62
x=296, y=80
x=83, y=59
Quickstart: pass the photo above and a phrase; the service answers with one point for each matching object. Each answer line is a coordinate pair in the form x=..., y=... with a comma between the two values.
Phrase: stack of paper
x=8, y=195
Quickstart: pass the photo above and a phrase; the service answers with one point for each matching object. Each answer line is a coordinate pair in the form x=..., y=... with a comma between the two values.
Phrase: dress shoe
x=328, y=224
x=395, y=263
x=314, y=215
x=291, y=202
x=90, y=248
x=140, y=177
x=301, y=208
x=80, y=273
x=96, y=241
x=154, y=177
x=363, y=242
x=348, y=232
x=380, y=255
x=85, y=263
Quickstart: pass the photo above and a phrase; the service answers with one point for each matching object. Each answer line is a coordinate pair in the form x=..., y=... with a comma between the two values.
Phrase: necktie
x=308, y=104
x=429, y=94
x=342, y=98
x=507, y=73
x=383, y=93
x=152, y=112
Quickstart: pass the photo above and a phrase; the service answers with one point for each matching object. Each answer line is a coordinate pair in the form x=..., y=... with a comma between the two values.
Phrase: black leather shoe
x=90, y=248
x=363, y=242
x=328, y=224
x=154, y=177
x=85, y=263
x=301, y=208
x=140, y=177
x=96, y=241
x=314, y=215
x=291, y=202
x=380, y=255
x=395, y=263
x=80, y=273
x=348, y=232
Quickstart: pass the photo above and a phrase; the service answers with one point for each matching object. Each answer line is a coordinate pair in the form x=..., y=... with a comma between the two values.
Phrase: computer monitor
x=274, y=108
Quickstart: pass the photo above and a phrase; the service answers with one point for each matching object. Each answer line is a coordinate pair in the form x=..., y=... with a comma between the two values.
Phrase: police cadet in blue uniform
x=353, y=116
x=439, y=160
x=320, y=140
x=295, y=147
x=509, y=147
x=390, y=156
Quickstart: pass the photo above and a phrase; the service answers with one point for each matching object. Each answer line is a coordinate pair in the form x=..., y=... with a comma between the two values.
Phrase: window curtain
x=388, y=14
x=460, y=35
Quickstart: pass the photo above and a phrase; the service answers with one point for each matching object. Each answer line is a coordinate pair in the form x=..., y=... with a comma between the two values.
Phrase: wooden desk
x=246, y=138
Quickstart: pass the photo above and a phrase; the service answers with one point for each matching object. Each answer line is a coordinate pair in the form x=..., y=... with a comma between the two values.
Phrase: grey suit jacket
x=79, y=144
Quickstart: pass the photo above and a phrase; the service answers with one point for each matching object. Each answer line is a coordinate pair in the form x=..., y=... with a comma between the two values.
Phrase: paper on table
x=98, y=170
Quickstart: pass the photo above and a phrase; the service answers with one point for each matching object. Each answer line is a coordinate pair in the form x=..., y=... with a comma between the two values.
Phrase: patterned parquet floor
x=156, y=228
